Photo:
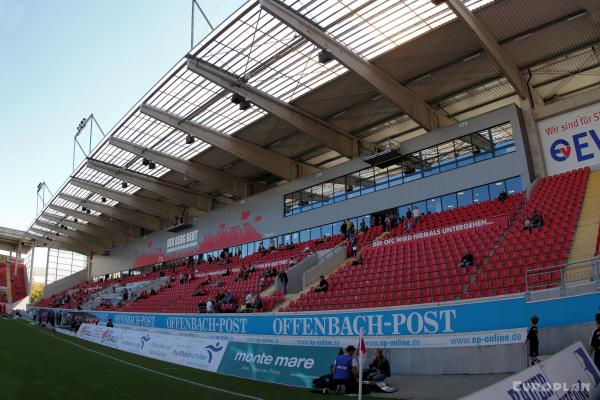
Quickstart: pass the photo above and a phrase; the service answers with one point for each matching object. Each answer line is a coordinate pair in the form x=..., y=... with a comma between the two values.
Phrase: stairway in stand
x=584, y=242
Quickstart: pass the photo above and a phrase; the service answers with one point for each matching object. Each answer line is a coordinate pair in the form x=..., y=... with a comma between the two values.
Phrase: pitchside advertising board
x=568, y=375
x=288, y=365
x=571, y=140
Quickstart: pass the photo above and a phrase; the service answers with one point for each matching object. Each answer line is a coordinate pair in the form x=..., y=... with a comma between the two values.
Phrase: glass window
x=381, y=178
x=327, y=230
x=328, y=193
x=402, y=210
x=296, y=237
x=305, y=203
x=434, y=205
x=502, y=137
x=430, y=161
x=464, y=198
x=317, y=196
x=411, y=167
x=336, y=227
x=446, y=156
x=482, y=145
x=339, y=193
x=305, y=235
x=464, y=151
x=315, y=233
x=353, y=185
x=513, y=185
x=495, y=189
x=367, y=181
x=395, y=174
x=481, y=193
x=296, y=200
x=449, y=201
x=288, y=204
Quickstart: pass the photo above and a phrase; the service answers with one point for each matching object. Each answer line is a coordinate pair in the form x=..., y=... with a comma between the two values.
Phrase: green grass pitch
x=36, y=363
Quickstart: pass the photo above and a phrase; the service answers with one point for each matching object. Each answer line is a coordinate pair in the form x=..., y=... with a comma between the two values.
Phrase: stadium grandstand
x=416, y=176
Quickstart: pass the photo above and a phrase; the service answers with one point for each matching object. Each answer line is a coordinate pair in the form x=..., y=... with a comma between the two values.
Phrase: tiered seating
x=74, y=296
x=419, y=271
x=17, y=276
x=558, y=198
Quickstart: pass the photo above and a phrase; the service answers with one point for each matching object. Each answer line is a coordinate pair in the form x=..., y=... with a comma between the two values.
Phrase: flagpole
x=360, y=365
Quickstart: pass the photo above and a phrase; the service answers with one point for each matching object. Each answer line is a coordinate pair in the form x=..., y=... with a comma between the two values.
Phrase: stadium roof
x=389, y=70
x=11, y=240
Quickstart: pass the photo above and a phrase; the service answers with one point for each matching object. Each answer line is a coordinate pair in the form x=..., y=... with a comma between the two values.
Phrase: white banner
x=571, y=140
x=191, y=351
x=569, y=374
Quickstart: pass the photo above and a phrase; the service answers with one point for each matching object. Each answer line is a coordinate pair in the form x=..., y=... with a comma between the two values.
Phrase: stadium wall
x=262, y=215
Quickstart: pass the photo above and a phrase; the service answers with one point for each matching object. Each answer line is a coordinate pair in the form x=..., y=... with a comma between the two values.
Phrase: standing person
x=284, y=280
x=416, y=215
x=595, y=343
x=345, y=371
x=344, y=229
x=533, y=340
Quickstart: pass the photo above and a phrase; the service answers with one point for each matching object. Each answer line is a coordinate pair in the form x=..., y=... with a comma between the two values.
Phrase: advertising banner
x=571, y=140
x=501, y=220
x=288, y=365
x=570, y=374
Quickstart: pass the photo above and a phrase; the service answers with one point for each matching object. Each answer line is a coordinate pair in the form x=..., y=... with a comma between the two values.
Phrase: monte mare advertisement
x=571, y=140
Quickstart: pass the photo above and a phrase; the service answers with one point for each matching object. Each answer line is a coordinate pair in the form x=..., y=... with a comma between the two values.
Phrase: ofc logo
x=561, y=150
x=210, y=349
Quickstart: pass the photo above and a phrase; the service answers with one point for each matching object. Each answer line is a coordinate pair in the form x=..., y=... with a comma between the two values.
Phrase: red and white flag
x=361, y=352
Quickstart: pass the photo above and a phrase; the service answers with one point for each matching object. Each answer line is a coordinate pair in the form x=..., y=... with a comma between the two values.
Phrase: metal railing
x=561, y=276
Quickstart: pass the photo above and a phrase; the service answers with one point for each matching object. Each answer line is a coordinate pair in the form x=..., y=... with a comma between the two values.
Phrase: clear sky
x=60, y=61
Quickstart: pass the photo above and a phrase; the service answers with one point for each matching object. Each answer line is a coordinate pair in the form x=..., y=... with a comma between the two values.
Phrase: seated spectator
x=226, y=273
x=323, y=285
x=109, y=324
x=502, y=196
x=262, y=283
x=217, y=283
x=228, y=298
x=257, y=302
x=527, y=224
x=466, y=261
x=379, y=368
x=273, y=272
x=199, y=291
x=272, y=245
x=261, y=249
x=207, y=281
x=266, y=272
x=536, y=220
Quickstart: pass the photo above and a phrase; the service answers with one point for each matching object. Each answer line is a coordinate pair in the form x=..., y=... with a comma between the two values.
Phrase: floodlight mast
x=86, y=125
x=212, y=28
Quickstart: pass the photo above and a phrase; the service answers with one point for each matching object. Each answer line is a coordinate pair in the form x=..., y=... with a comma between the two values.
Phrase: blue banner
x=490, y=315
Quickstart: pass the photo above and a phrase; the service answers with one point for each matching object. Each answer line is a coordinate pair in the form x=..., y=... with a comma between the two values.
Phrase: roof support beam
x=328, y=134
x=490, y=44
x=132, y=217
x=153, y=207
x=184, y=197
x=270, y=161
x=214, y=177
x=404, y=98
x=89, y=228
x=76, y=235
x=102, y=221
x=73, y=243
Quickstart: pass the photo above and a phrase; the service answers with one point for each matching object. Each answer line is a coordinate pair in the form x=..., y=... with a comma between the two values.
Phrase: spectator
x=272, y=245
x=249, y=299
x=595, y=343
x=353, y=245
x=344, y=229
x=533, y=341
x=257, y=302
x=345, y=371
x=238, y=252
x=409, y=214
x=502, y=196
x=323, y=285
x=217, y=283
x=228, y=298
x=527, y=224
x=379, y=368
x=283, y=278
x=363, y=225
x=416, y=215
x=350, y=227
x=209, y=306
x=466, y=260
x=109, y=324
x=262, y=283
x=536, y=220
x=207, y=281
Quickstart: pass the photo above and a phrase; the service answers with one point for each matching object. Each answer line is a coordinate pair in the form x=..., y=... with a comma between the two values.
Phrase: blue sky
x=64, y=59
